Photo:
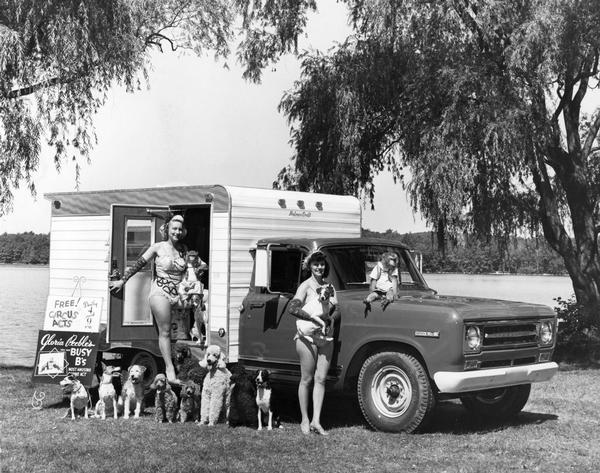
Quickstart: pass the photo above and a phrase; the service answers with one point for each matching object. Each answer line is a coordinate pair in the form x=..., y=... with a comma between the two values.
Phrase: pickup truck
x=423, y=347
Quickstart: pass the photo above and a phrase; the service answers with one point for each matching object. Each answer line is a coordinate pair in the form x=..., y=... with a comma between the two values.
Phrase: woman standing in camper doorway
x=314, y=352
x=170, y=266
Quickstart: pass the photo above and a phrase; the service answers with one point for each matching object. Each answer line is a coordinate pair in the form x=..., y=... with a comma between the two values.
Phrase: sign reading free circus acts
x=74, y=314
x=68, y=344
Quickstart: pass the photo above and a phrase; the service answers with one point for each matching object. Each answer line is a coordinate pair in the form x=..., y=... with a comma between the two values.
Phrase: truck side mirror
x=261, y=268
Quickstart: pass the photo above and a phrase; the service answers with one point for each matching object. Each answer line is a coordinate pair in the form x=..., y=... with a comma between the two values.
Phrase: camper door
x=134, y=229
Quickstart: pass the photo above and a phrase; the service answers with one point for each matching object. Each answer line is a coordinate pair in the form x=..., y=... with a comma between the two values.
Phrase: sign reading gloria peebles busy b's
x=68, y=343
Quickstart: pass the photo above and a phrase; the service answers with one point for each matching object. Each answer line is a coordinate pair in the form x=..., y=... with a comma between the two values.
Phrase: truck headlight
x=472, y=338
x=546, y=333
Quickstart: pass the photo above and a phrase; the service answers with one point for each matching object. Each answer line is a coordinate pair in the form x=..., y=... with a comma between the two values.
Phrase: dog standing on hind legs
x=265, y=401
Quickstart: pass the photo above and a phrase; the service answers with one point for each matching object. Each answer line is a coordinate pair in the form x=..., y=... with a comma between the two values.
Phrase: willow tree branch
x=591, y=136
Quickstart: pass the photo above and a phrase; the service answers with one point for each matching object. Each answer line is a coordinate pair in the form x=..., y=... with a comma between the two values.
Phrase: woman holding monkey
x=314, y=352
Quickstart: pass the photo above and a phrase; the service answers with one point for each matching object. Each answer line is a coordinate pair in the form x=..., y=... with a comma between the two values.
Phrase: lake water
x=24, y=289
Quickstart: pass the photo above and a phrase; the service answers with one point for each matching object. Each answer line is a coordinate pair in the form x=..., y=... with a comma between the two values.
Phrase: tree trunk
x=441, y=236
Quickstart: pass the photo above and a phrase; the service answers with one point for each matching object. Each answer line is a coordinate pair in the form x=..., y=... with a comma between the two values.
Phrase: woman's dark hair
x=313, y=257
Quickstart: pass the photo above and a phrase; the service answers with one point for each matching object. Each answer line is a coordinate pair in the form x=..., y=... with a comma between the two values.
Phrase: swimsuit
x=169, y=273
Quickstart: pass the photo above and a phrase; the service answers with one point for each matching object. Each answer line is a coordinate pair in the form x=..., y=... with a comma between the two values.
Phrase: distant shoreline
x=25, y=265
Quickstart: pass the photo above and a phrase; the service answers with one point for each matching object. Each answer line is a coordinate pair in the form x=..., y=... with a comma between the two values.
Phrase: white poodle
x=215, y=388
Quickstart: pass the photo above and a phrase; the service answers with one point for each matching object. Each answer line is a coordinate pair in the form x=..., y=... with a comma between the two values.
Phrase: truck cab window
x=354, y=264
x=285, y=270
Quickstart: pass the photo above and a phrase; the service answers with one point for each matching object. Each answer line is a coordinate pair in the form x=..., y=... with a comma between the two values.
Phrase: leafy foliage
x=578, y=338
x=470, y=256
x=58, y=59
x=476, y=106
x=28, y=248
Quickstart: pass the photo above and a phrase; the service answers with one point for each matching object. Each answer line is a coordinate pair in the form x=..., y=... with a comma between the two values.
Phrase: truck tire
x=498, y=403
x=394, y=392
x=143, y=358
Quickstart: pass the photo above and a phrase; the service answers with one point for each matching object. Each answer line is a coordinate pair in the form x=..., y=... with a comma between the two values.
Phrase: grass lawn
x=558, y=431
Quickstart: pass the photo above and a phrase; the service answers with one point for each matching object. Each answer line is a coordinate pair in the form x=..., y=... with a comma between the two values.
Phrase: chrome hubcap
x=391, y=391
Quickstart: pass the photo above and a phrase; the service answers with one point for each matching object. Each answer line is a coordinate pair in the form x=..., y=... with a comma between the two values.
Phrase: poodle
x=242, y=405
x=215, y=388
x=165, y=400
x=184, y=361
x=189, y=407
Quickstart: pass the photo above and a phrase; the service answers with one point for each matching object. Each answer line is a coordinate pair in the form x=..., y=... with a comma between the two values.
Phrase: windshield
x=354, y=264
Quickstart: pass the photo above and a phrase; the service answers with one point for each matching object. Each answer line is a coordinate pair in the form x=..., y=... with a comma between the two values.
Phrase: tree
x=58, y=59
x=487, y=104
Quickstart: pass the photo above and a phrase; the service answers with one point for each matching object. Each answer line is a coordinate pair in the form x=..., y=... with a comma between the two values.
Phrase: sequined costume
x=169, y=273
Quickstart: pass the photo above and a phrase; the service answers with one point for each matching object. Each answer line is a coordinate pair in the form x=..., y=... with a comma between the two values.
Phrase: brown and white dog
x=78, y=395
x=106, y=392
x=265, y=400
x=132, y=395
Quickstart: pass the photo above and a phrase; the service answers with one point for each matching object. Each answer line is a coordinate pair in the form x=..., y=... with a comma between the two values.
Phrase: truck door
x=134, y=229
x=266, y=329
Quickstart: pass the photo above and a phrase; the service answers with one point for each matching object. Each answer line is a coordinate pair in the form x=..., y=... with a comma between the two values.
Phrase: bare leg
x=161, y=310
x=307, y=369
x=323, y=362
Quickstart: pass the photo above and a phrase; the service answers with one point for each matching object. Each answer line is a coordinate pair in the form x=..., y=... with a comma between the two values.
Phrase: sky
x=200, y=123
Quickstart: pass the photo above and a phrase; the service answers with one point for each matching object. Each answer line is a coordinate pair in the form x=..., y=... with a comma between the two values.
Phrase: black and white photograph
x=299, y=235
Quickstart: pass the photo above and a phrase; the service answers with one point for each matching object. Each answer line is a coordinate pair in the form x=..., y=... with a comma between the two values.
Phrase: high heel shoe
x=317, y=429
x=305, y=428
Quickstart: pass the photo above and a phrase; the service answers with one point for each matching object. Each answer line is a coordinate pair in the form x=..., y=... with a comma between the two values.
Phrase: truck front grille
x=509, y=335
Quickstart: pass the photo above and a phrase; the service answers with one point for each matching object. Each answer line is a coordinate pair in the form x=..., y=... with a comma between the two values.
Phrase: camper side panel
x=262, y=213
x=79, y=247
x=218, y=275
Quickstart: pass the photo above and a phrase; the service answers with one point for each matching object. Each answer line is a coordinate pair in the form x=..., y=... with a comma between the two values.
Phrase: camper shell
x=95, y=232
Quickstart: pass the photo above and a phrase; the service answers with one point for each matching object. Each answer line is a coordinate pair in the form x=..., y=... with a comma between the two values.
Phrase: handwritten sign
x=73, y=314
x=62, y=353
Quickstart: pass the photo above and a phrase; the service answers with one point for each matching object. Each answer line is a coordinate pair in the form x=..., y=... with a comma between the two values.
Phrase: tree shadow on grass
x=452, y=418
x=448, y=417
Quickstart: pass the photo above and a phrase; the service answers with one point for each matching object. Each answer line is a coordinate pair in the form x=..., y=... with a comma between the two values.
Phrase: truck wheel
x=394, y=392
x=143, y=358
x=498, y=403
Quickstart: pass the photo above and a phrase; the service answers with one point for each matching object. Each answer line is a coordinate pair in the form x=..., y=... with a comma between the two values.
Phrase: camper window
x=285, y=270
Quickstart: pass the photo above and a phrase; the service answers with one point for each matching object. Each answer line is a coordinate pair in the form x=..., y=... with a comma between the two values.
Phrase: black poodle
x=242, y=405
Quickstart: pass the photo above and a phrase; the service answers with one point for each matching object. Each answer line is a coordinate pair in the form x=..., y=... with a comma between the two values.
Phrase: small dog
x=79, y=397
x=106, y=392
x=265, y=400
x=132, y=395
x=243, y=410
x=165, y=400
x=319, y=307
x=189, y=406
x=215, y=388
x=184, y=361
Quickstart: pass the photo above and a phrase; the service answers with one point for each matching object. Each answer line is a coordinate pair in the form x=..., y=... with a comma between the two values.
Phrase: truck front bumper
x=465, y=381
